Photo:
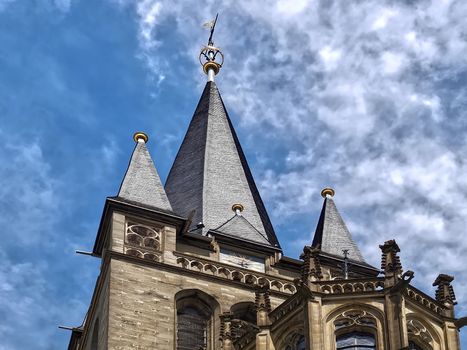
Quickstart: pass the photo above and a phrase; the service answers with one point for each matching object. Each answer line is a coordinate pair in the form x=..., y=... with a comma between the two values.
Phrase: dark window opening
x=296, y=342
x=356, y=341
x=192, y=329
x=95, y=336
x=414, y=346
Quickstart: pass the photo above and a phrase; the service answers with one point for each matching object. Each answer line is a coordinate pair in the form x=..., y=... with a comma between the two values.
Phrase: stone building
x=197, y=265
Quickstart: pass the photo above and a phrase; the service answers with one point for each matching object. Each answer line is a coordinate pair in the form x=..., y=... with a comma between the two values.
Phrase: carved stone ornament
x=352, y=318
x=142, y=241
x=417, y=331
x=311, y=269
x=390, y=261
x=445, y=292
x=243, y=332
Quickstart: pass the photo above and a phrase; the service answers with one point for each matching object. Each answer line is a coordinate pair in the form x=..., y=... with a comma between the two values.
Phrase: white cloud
x=365, y=94
x=28, y=191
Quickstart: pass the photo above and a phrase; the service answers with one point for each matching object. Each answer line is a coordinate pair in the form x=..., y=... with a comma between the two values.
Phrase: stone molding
x=245, y=276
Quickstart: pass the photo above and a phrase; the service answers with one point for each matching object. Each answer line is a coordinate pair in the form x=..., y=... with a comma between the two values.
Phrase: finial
x=346, y=263
x=140, y=137
x=211, y=57
x=238, y=208
x=327, y=191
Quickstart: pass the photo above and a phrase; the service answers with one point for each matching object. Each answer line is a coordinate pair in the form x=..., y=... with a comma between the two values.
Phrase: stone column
x=226, y=331
x=313, y=325
x=263, y=308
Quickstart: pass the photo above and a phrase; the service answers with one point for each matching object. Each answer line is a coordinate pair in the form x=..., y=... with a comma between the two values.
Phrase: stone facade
x=135, y=301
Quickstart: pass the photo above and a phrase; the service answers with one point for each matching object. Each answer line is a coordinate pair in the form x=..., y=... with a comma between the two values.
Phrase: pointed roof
x=332, y=233
x=240, y=227
x=210, y=173
x=141, y=183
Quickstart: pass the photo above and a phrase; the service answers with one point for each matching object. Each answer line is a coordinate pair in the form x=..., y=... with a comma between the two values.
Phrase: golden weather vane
x=211, y=57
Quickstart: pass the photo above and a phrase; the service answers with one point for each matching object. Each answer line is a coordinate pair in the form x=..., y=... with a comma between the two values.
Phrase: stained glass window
x=192, y=329
x=296, y=342
x=356, y=341
x=414, y=346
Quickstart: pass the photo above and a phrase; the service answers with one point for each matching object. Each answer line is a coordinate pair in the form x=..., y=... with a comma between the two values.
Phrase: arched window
x=356, y=341
x=195, y=320
x=295, y=341
x=355, y=330
x=192, y=328
x=244, y=311
x=414, y=346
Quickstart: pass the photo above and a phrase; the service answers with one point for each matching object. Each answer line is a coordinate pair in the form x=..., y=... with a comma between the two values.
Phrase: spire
x=211, y=176
x=141, y=183
x=332, y=233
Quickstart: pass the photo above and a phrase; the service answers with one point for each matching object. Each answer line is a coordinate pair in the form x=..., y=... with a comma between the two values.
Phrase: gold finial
x=237, y=208
x=140, y=136
x=211, y=57
x=327, y=191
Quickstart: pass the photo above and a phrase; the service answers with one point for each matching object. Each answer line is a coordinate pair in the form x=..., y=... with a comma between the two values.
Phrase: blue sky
x=368, y=97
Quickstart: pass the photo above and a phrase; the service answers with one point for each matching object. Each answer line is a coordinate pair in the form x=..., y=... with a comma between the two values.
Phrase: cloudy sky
x=368, y=97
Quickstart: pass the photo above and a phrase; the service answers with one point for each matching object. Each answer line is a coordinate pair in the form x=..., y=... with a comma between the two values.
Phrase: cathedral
x=196, y=264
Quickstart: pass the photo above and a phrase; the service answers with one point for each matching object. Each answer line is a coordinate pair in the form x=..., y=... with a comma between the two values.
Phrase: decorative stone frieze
x=423, y=300
x=369, y=285
x=239, y=275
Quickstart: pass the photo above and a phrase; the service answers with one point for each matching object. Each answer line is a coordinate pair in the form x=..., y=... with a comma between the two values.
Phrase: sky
x=368, y=97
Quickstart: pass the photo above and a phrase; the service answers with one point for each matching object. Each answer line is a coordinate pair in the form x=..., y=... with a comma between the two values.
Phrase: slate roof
x=241, y=227
x=141, y=183
x=210, y=172
x=332, y=233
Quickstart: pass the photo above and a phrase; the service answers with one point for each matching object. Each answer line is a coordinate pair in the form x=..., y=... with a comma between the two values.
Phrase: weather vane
x=211, y=57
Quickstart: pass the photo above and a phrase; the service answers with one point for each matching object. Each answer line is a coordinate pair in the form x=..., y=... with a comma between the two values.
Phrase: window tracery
x=295, y=341
x=143, y=241
x=420, y=338
x=355, y=330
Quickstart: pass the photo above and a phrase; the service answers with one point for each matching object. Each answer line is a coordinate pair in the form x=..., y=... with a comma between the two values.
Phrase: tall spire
x=141, y=183
x=211, y=176
x=332, y=233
